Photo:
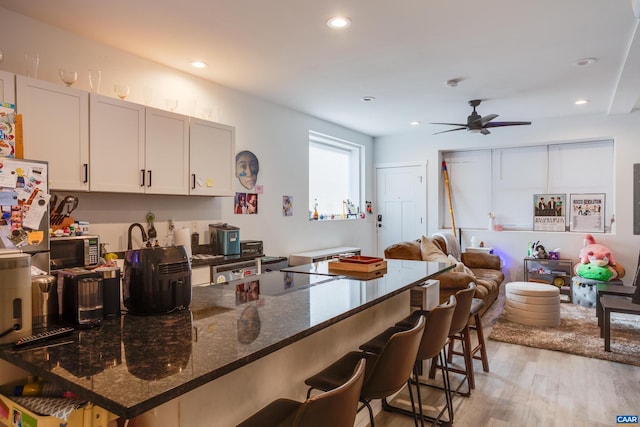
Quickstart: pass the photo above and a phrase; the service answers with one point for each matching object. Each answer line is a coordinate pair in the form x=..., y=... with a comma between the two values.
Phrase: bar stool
x=337, y=407
x=475, y=324
x=433, y=344
x=460, y=331
x=386, y=373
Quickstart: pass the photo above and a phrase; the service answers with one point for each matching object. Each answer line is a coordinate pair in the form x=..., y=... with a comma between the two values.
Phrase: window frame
x=355, y=172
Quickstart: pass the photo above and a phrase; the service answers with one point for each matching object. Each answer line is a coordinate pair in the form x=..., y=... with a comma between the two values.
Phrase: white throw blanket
x=453, y=247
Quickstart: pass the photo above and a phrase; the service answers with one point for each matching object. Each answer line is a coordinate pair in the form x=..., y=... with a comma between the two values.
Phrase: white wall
x=278, y=136
x=512, y=245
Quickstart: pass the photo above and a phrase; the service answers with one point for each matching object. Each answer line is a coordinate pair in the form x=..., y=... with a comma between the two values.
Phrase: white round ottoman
x=532, y=304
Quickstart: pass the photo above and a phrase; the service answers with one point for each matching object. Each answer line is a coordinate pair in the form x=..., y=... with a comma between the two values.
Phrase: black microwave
x=74, y=251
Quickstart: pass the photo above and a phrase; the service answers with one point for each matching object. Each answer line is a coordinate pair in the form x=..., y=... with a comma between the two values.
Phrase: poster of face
x=247, y=168
x=252, y=203
x=549, y=212
x=240, y=204
x=245, y=203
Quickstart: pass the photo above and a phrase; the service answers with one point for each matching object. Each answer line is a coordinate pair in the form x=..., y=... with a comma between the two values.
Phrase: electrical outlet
x=171, y=225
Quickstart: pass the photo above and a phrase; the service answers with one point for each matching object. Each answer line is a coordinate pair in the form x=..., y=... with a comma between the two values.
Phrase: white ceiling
x=518, y=57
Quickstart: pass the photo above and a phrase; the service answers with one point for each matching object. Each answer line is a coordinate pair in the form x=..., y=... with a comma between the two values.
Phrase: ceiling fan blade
x=450, y=130
x=485, y=131
x=450, y=124
x=501, y=124
x=486, y=119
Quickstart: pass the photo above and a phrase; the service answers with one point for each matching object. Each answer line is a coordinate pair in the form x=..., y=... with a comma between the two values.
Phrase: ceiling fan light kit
x=477, y=123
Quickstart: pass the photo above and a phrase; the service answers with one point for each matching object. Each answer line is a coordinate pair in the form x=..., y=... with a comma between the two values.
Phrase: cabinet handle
x=193, y=177
x=149, y=185
x=86, y=172
x=142, y=176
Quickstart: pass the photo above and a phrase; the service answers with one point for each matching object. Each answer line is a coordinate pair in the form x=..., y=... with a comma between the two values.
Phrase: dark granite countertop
x=135, y=363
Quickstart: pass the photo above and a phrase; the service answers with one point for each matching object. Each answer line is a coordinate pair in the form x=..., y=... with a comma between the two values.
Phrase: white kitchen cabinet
x=7, y=87
x=166, y=152
x=117, y=145
x=211, y=151
x=56, y=129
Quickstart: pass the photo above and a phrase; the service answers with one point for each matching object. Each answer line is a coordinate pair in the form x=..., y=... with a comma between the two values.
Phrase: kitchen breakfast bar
x=238, y=346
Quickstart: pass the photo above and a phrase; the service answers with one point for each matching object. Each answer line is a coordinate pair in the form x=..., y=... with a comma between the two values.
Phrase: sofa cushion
x=460, y=267
x=404, y=250
x=481, y=260
x=430, y=252
x=496, y=276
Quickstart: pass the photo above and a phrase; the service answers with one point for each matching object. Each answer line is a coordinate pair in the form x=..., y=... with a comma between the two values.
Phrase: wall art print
x=549, y=212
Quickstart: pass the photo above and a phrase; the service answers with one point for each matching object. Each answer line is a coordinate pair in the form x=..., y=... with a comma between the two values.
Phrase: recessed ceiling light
x=339, y=22
x=582, y=101
x=368, y=98
x=415, y=123
x=585, y=62
x=452, y=82
x=199, y=64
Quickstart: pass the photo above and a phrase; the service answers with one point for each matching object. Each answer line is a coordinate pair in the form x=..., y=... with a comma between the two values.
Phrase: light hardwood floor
x=533, y=387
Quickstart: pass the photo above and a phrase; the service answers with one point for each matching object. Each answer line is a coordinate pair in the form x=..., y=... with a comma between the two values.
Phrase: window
x=504, y=180
x=335, y=177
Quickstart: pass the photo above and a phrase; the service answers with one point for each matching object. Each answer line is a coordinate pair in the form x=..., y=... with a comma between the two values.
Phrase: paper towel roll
x=183, y=237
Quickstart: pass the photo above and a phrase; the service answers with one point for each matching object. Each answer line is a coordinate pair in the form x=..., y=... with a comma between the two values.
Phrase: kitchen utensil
x=58, y=212
x=44, y=300
x=52, y=203
x=63, y=211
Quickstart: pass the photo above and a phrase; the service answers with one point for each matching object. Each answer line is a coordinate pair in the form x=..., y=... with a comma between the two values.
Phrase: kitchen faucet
x=131, y=227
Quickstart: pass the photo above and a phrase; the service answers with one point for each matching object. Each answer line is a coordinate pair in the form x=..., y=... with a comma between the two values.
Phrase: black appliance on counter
x=156, y=280
x=82, y=296
x=251, y=247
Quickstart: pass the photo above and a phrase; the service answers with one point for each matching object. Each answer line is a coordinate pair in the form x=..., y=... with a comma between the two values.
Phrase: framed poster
x=587, y=212
x=549, y=212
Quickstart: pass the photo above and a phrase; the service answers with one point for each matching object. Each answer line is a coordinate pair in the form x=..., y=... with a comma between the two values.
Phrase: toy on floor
x=597, y=262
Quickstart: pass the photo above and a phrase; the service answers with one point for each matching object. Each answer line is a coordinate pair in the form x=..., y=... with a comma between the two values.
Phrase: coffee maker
x=82, y=296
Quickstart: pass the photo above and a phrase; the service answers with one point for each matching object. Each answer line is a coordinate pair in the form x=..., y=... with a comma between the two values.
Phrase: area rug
x=578, y=333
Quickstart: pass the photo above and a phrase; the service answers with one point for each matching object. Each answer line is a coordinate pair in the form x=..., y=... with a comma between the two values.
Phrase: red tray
x=359, y=259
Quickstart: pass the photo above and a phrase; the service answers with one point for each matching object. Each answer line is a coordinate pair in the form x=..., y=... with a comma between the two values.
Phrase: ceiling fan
x=477, y=123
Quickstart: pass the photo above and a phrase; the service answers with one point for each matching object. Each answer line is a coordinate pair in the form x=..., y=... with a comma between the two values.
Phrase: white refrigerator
x=24, y=208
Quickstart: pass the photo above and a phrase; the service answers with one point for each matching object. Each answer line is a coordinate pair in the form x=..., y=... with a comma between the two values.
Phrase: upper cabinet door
x=116, y=141
x=56, y=129
x=212, y=147
x=166, y=152
x=7, y=87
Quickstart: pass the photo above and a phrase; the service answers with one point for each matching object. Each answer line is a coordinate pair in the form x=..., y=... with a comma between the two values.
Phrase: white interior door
x=401, y=195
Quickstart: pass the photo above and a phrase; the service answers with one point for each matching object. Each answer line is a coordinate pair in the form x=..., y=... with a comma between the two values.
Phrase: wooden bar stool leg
x=481, y=345
x=468, y=357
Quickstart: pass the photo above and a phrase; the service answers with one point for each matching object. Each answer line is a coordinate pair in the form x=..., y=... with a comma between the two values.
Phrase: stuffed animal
x=595, y=253
x=595, y=272
x=539, y=252
x=597, y=262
